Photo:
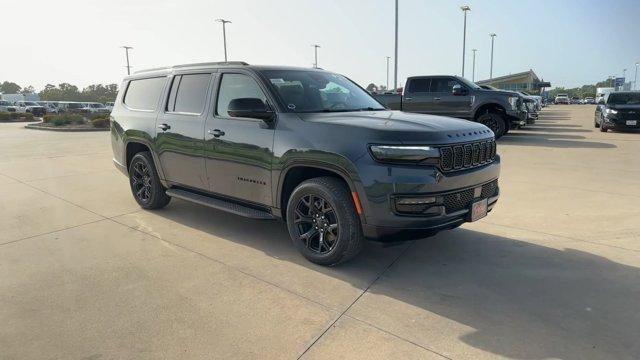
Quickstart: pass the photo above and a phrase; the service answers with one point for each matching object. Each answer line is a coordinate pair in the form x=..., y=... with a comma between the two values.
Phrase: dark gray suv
x=303, y=145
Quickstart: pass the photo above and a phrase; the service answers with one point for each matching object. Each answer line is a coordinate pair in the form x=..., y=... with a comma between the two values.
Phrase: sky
x=569, y=42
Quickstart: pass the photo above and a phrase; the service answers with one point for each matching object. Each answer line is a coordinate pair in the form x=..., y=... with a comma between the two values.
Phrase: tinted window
x=236, y=86
x=188, y=93
x=624, y=98
x=443, y=85
x=419, y=85
x=143, y=94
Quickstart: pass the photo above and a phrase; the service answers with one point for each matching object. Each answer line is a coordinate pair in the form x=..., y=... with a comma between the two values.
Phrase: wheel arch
x=489, y=107
x=133, y=146
x=294, y=174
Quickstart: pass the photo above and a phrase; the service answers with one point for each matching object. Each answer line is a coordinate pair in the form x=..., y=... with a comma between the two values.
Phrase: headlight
x=400, y=153
x=513, y=101
x=610, y=111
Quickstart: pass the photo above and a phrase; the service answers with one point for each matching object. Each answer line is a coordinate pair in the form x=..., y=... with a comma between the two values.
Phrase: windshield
x=75, y=106
x=30, y=103
x=563, y=95
x=95, y=105
x=316, y=91
x=624, y=99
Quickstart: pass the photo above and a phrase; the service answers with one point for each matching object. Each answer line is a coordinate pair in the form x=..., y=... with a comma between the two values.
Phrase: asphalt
x=552, y=272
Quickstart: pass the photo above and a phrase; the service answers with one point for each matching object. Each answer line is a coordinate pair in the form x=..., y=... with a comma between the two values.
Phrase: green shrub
x=64, y=119
x=59, y=121
x=10, y=116
x=100, y=122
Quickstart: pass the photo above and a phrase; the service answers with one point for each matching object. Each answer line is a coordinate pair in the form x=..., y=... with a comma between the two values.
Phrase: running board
x=220, y=204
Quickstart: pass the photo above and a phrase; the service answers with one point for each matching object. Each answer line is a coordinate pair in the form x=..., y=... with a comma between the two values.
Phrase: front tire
x=145, y=183
x=323, y=223
x=495, y=122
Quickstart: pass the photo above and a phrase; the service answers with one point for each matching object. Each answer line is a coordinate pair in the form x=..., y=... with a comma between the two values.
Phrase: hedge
x=11, y=116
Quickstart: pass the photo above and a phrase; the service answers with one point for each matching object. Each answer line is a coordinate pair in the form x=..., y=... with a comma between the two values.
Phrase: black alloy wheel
x=316, y=224
x=145, y=183
x=141, y=181
x=323, y=222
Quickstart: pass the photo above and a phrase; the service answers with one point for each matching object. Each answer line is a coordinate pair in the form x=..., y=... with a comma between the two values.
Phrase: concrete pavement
x=552, y=272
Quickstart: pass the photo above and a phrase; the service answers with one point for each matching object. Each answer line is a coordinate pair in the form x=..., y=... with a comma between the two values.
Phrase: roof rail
x=213, y=63
x=194, y=64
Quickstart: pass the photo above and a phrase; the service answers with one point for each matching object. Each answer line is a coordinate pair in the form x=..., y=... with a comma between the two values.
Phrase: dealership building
x=525, y=81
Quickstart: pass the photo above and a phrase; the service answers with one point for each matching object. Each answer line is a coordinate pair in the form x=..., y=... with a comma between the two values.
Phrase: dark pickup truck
x=458, y=97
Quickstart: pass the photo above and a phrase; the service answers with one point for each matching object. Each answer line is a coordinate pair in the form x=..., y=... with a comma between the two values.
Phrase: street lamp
x=126, y=51
x=224, y=35
x=493, y=36
x=464, y=9
x=389, y=57
x=395, y=56
x=635, y=79
x=473, y=72
x=315, y=50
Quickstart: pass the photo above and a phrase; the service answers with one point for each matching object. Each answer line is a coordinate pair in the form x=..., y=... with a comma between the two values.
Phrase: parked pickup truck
x=458, y=97
x=307, y=146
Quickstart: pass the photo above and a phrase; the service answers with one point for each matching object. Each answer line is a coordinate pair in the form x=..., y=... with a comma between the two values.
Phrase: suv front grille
x=466, y=156
x=462, y=199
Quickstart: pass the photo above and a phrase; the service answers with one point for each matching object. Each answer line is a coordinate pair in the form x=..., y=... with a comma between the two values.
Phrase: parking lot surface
x=552, y=272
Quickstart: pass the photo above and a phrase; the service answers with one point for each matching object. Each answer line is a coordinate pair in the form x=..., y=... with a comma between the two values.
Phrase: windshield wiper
x=371, y=109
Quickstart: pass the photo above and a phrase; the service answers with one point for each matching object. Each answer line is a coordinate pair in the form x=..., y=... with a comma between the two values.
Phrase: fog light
x=414, y=205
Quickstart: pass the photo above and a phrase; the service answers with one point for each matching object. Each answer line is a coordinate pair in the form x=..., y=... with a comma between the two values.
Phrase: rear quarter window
x=143, y=94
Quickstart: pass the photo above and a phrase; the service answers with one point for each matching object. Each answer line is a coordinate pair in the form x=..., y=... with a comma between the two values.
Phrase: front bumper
x=385, y=183
x=621, y=124
x=517, y=117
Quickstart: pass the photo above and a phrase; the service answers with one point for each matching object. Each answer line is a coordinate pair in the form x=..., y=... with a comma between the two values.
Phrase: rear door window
x=418, y=85
x=143, y=94
x=188, y=93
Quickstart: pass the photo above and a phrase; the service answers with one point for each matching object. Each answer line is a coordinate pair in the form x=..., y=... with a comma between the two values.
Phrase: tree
x=27, y=90
x=9, y=88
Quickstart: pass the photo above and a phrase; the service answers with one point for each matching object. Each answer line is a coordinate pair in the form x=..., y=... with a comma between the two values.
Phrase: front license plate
x=479, y=209
x=632, y=122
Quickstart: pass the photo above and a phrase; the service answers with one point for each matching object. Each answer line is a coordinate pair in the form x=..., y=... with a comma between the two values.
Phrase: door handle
x=164, y=127
x=216, y=132
x=437, y=99
x=408, y=99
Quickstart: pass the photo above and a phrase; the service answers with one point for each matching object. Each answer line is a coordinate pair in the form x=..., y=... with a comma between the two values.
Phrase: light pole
x=224, y=35
x=315, y=51
x=473, y=72
x=395, y=56
x=493, y=36
x=464, y=9
x=635, y=79
x=126, y=51
x=389, y=57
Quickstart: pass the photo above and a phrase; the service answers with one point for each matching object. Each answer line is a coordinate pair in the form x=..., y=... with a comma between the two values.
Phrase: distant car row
x=40, y=108
x=564, y=99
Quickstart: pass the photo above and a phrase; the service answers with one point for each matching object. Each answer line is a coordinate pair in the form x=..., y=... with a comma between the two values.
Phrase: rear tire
x=323, y=223
x=145, y=183
x=496, y=122
x=595, y=123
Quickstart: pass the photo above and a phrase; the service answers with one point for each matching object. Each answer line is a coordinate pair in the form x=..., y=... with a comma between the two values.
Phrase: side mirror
x=253, y=108
x=458, y=90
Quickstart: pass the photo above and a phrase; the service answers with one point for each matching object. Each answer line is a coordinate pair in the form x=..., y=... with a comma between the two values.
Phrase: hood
x=500, y=92
x=404, y=127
